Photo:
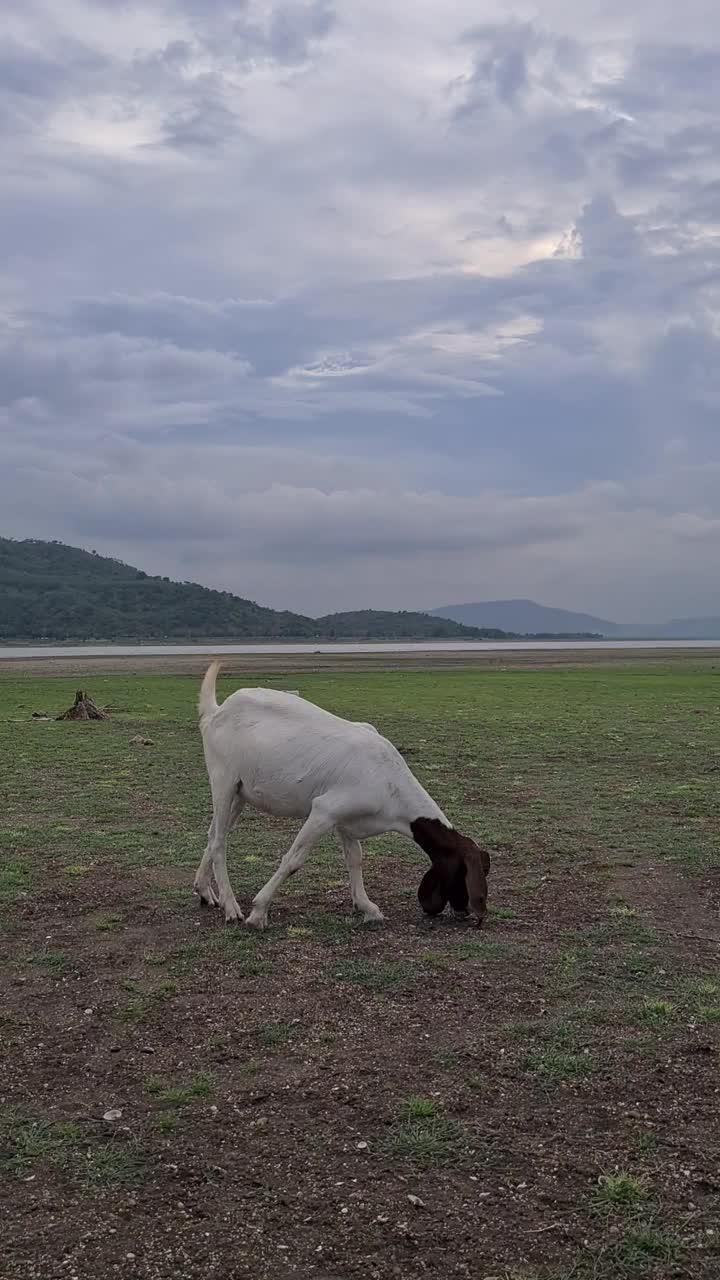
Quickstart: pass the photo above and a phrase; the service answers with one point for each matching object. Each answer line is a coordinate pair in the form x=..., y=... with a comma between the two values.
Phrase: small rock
x=114, y=1114
x=89, y=1011
x=419, y=1204
x=362, y=1146
x=139, y=741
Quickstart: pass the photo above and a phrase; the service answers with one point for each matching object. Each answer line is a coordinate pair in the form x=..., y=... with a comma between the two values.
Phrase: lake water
x=435, y=646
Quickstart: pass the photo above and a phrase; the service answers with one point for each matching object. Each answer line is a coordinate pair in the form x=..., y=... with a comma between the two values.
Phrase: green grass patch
x=416, y=1108
x=24, y=1142
x=114, y=1164
x=656, y=1012
x=421, y=1133
x=620, y=1190
x=558, y=1063
x=180, y=1095
x=16, y=878
x=375, y=975
x=108, y=922
x=276, y=1035
x=642, y=1249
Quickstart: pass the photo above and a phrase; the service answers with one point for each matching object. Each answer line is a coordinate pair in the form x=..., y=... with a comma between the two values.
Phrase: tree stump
x=83, y=708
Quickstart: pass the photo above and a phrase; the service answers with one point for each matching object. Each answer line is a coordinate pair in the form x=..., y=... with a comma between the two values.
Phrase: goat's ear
x=458, y=891
x=433, y=894
x=476, y=881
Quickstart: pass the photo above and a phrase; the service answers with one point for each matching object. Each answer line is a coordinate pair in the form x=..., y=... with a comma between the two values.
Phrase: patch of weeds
x=252, y=1067
x=377, y=977
x=276, y=1034
x=558, y=1062
x=78, y=869
x=476, y=1082
x=705, y=999
x=657, y=1012
x=568, y=967
x=238, y=948
x=635, y=967
x=620, y=1190
x=15, y=878
x=217, y=1042
x=416, y=1108
x=502, y=913
x=135, y=1010
x=25, y=1141
x=332, y=928
x=298, y=933
x=623, y=911
x=642, y=1247
x=166, y=989
x=113, y=1164
x=165, y=1122
x=50, y=959
x=110, y=922
x=708, y=1013
x=446, y=1058
x=646, y=1142
x=154, y=957
x=481, y=948
x=175, y=1095
x=705, y=988
x=422, y=1134
x=171, y=893
x=642, y=935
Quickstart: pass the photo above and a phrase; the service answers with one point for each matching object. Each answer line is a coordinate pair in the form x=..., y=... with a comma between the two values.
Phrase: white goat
x=288, y=758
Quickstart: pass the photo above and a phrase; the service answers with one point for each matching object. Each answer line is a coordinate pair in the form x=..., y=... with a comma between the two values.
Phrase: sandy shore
x=287, y=663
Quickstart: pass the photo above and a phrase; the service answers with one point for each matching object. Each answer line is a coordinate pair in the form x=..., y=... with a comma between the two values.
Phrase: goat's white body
x=289, y=758
x=283, y=754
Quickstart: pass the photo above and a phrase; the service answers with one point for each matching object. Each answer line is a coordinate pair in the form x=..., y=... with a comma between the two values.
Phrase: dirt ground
x=537, y=1099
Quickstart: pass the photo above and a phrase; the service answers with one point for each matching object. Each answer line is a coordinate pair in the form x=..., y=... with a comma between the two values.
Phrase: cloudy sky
x=346, y=304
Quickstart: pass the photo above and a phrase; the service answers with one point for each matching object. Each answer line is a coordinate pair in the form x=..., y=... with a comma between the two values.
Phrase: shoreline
x=274, y=663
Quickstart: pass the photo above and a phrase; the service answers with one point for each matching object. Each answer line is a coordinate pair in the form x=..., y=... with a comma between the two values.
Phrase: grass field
x=536, y=1100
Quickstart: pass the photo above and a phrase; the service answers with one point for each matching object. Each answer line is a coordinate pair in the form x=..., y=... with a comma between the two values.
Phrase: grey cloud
x=388, y=319
x=506, y=63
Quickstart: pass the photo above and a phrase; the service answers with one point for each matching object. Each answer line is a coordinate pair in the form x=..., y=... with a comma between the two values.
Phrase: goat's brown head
x=459, y=870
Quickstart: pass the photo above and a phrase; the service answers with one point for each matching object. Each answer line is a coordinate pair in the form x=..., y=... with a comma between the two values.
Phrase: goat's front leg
x=316, y=825
x=353, y=860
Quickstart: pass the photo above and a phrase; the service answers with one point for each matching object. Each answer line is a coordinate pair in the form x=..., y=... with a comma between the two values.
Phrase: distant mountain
x=52, y=592
x=525, y=617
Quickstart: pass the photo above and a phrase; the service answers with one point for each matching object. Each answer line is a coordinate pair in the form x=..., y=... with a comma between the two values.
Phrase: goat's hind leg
x=227, y=807
x=353, y=860
x=203, y=885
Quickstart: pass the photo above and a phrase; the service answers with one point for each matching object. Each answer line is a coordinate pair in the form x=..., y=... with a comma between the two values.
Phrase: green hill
x=52, y=592
x=381, y=624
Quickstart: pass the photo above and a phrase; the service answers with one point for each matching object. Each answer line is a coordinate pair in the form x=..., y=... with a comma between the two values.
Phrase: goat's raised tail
x=207, y=702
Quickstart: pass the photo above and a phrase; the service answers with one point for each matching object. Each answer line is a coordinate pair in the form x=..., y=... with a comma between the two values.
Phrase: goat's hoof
x=233, y=914
x=206, y=896
x=373, y=917
x=257, y=920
